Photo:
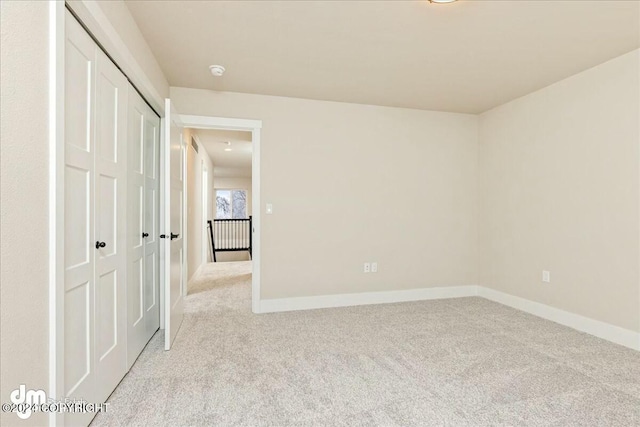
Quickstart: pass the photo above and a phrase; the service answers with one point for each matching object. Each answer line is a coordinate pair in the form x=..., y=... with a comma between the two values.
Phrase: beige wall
x=24, y=276
x=559, y=191
x=195, y=234
x=237, y=183
x=326, y=169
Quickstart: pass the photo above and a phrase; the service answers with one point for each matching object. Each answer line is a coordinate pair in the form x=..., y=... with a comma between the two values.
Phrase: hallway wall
x=194, y=203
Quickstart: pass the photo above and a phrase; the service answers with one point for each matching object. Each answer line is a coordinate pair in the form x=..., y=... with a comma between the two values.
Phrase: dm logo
x=25, y=400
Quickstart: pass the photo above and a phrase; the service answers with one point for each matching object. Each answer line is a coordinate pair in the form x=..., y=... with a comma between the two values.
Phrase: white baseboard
x=590, y=326
x=365, y=298
x=597, y=328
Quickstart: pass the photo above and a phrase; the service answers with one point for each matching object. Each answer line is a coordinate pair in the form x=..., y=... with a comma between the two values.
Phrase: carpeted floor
x=456, y=362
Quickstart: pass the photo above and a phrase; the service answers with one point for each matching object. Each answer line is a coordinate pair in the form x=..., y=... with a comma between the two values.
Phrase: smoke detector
x=216, y=70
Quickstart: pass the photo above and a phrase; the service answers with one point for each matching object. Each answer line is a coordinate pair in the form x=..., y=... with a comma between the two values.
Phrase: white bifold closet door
x=110, y=226
x=143, y=298
x=95, y=340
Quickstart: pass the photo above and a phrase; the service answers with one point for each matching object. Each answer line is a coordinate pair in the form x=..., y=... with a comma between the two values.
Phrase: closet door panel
x=152, y=209
x=77, y=218
x=107, y=217
x=136, y=280
x=107, y=314
x=150, y=290
x=109, y=94
x=77, y=340
x=79, y=69
x=136, y=133
x=136, y=227
x=79, y=252
x=151, y=216
x=152, y=142
x=136, y=293
x=110, y=205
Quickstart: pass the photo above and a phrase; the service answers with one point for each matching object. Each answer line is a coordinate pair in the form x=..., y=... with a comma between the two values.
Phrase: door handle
x=100, y=244
x=145, y=235
x=169, y=236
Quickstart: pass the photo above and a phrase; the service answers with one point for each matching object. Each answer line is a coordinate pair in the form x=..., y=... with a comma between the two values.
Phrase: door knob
x=100, y=244
x=145, y=235
x=174, y=236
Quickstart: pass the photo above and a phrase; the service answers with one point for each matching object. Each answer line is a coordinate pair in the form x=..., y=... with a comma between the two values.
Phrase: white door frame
x=253, y=126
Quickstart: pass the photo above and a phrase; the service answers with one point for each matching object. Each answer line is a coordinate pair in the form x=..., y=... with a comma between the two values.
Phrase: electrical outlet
x=374, y=267
x=546, y=276
x=367, y=267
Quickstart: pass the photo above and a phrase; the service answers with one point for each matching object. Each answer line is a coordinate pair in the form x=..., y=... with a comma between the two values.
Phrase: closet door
x=79, y=241
x=152, y=223
x=143, y=186
x=110, y=219
x=136, y=330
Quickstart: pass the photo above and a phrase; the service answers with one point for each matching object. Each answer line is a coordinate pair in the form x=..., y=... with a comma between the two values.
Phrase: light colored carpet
x=456, y=362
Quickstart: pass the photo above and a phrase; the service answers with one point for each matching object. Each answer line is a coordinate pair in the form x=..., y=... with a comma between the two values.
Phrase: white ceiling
x=234, y=163
x=467, y=56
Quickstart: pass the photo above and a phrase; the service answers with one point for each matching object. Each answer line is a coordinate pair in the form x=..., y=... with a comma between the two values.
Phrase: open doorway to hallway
x=219, y=207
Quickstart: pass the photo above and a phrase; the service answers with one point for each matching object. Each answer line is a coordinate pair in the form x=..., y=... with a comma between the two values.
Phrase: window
x=231, y=204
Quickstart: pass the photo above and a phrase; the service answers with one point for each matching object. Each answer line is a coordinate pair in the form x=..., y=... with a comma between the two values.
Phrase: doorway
x=242, y=134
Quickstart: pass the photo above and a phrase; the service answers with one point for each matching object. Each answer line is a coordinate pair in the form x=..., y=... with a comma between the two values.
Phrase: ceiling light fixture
x=217, y=70
x=441, y=1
